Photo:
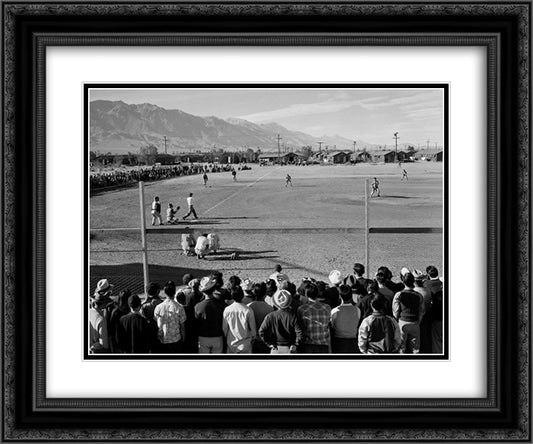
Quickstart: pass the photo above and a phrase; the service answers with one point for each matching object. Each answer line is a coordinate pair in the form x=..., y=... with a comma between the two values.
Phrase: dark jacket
x=281, y=327
x=208, y=314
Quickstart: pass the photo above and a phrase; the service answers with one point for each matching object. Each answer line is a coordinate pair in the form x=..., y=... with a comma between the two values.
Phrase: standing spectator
x=278, y=276
x=260, y=309
x=238, y=323
x=170, y=317
x=147, y=310
x=332, y=297
x=98, y=324
x=205, y=179
x=134, y=329
x=247, y=286
x=381, y=279
x=425, y=323
x=437, y=309
x=314, y=318
x=432, y=283
x=395, y=287
x=280, y=329
x=378, y=332
x=345, y=323
x=271, y=288
x=408, y=309
x=190, y=204
x=187, y=297
x=365, y=302
x=156, y=211
x=120, y=310
x=357, y=282
x=208, y=315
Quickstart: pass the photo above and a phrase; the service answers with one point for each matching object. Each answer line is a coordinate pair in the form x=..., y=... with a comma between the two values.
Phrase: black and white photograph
x=266, y=221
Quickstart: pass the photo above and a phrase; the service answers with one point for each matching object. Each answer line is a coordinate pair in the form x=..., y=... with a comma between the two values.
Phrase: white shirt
x=189, y=201
x=238, y=324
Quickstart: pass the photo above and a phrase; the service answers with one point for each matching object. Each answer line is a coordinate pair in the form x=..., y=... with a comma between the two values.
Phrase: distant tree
x=250, y=155
x=411, y=150
x=93, y=155
x=147, y=154
x=306, y=152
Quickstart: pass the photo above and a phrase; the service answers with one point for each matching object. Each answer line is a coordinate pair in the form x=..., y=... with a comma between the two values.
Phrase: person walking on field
x=234, y=174
x=375, y=187
x=205, y=179
x=404, y=175
x=190, y=204
x=288, y=180
x=156, y=211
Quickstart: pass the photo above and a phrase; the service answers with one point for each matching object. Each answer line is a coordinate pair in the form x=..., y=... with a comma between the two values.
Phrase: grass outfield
x=310, y=228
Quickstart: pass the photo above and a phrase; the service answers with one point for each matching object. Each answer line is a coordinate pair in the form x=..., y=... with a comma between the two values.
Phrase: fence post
x=143, y=236
x=367, y=248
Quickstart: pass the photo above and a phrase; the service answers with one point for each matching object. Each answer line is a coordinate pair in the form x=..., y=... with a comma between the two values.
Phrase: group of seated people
x=351, y=314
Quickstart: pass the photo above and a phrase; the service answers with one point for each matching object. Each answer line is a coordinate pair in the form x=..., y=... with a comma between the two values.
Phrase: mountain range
x=118, y=127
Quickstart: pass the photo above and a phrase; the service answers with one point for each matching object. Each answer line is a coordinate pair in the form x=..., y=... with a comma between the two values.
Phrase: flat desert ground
x=311, y=228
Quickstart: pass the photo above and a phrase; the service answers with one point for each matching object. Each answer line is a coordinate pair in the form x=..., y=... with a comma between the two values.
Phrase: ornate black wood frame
x=503, y=28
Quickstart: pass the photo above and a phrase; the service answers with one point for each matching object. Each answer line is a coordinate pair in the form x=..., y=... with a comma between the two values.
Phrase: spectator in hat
x=314, y=318
x=278, y=276
x=120, y=310
x=425, y=323
x=344, y=324
x=98, y=324
x=170, y=317
x=187, y=297
x=260, y=309
x=280, y=329
x=389, y=283
x=209, y=314
x=247, y=286
x=378, y=332
x=408, y=309
x=332, y=297
x=134, y=336
x=238, y=323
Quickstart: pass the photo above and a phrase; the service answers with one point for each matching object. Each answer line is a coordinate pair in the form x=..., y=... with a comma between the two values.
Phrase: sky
x=370, y=115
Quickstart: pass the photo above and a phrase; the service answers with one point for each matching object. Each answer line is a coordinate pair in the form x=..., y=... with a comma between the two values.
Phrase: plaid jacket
x=314, y=318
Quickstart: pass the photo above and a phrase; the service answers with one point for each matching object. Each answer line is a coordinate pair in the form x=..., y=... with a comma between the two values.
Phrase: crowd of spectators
x=349, y=315
x=125, y=176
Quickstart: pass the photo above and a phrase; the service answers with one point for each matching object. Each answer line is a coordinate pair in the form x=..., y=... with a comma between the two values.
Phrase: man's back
x=314, y=318
x=208, y=314
x=135, y=335
x=379, y=333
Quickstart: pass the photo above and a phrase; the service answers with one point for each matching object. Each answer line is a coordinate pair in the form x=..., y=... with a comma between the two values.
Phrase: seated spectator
x=134, y=336
x=170, y=317
x=314, y=319
x=378, y=332
x=345, y=323
x=238, y=323
x=280, y=329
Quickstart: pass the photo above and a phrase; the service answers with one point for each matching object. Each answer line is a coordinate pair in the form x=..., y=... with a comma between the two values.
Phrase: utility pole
x=320, y=146
x=354, y=142
x=427, y=144
x=396, y=137
x=279, y=138
x=165, y=139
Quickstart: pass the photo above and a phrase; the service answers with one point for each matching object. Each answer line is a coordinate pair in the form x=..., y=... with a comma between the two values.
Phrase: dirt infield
x=310, y=228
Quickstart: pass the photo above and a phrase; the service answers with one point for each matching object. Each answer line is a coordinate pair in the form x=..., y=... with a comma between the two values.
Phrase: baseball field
x=311, y=228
